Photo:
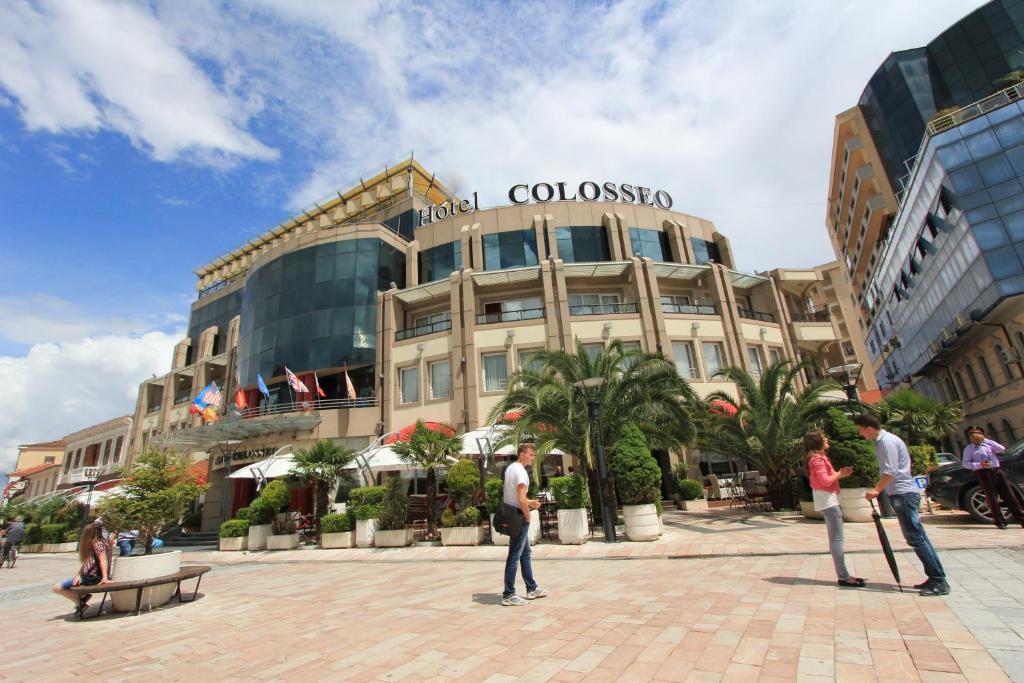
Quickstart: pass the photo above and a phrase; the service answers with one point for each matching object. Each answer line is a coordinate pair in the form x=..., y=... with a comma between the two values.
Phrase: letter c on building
x=512, y=195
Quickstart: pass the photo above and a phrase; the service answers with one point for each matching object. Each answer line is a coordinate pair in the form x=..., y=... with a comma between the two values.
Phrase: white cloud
x=41, y=318
x=59, y=388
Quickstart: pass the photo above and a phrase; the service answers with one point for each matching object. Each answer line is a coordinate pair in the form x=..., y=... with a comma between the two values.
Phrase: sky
x=141, y=140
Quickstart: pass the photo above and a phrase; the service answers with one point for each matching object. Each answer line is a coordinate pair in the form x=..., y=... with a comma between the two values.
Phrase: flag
x=316, y=381
x=211, y=395
x=294, y=382
x=349, y=387
x=262, y=386
x=240, y=401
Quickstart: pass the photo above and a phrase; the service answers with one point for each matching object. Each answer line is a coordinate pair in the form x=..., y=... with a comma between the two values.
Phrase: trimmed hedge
x=493, y=493
x=571, y=493
x=690, y=489
x=848, y=449
x=395, y=507
x=243, y=513
x=261, y=511
x=365, y=502
x=463, y=480
x=468, y=517
x=234, y=528
x=71, y=534
x=277, y=493
x=335, y=524
x=33, y=534
x=52, y=533
x=636, y=472
x=922, y=459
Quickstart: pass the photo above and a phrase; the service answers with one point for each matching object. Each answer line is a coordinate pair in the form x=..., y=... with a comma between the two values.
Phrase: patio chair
x=716, y=490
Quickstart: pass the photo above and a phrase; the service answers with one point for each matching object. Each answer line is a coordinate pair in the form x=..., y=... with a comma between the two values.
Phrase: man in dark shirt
x=15, y=532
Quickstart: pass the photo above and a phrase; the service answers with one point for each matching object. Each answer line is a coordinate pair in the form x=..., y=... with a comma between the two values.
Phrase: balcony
x=310, y=406
x=88, y=473
x=181, y=399
x=602, y=309
x=423, y=330
x=153, y=409
x=751, y=314
x=821, y=316
x=689, y=309
x=510, y=316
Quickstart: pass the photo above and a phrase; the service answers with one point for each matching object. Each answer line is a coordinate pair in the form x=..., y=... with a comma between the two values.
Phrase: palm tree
x=768, y=423
x=430, y=449
x=321, y=466
x=640, y=388
x=917, y=418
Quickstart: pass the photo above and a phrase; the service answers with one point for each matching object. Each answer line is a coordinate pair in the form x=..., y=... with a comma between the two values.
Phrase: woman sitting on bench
x=95, y=553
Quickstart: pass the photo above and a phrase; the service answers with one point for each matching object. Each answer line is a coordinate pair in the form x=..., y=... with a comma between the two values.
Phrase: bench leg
x=102, y=603
x=177, y=593
x=138, y=602
x=196, y=591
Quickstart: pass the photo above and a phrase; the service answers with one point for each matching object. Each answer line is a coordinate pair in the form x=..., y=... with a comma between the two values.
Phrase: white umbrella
x=471, y=441
x=85, y=499
x=381, y=459
x=273, y=467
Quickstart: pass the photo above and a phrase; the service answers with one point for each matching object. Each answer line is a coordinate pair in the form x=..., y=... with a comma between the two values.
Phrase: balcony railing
x=751, y=314
x=821, y=316
x=688, y=373
x=153, y=409
x=688, y=309
x=602, y=309
x=422, y=330
x=310, y=406
x=510, y=316
x=181, y=399
x=88, y=473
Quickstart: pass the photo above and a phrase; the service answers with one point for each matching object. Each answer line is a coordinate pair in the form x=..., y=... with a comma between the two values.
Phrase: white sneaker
x=537, y=593
x=514, y=601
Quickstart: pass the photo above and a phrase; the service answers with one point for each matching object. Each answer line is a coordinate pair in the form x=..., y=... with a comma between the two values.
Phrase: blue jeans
x=126, y=546
x=906, y=506
x=518, y=554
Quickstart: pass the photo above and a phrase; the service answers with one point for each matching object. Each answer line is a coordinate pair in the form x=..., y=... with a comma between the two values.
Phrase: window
x=652, y=244
x=686, y=362
x=960, y=384
x=593, y=350
x=514, y=249
x=513, y=310
x=106, y=452
x=1004, y=361
x=593, y=304
x=714, y=357
x=705, y=251
x=409, y=379
x=969, y=369
x=432, y=319
x=528, y=360
x=951, y=391
x=117, y=449
x=78, y=457
x=495, y=367
x=440, y=380
x=775, y=355
x=1008, y=432
x=756, y=360
x=983, y=364
x=67, y=462
x=439, y=262
x=582, y=244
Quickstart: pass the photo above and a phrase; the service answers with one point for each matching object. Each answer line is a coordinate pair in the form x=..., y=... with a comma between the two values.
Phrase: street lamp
x=591, y=388
x=90, y=475
x=847, y=375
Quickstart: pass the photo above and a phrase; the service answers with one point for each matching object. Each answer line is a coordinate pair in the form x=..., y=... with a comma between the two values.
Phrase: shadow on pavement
x=487, y=598
x=108, y=614
x=799, y=581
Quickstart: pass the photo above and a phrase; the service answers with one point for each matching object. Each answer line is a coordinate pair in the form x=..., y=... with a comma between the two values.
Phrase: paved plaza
x=723, y=597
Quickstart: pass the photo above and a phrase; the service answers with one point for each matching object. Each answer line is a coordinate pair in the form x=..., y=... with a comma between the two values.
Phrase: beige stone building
x=99, y=451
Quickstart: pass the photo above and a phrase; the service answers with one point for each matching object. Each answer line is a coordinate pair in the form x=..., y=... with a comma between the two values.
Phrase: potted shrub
x=365, y=504
x=51, y=536
x=155, y=493
x=391, y=529
x=282, y=534
x=429, y=449
x=572, y=498
x=848, y=449
x=691, y=493
x=234, y=535
x=638, y=483
x=462, y=527
x=336, y=531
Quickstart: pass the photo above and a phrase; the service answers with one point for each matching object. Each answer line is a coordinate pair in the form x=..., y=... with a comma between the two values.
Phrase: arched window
x=983, y=364
x=951, y=391
x=974, y=379
x=960, y=384
x=1004, y=361
x=1008, y=432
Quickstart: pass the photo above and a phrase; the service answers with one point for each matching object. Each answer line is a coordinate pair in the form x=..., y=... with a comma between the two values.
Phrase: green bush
x=448, y=519
x=242, y=513
x=52, y=533
x=234, y=528
x=394, y=508
x=71, y=535
x=690, y=489
x=335, y=524
x=922, y=459
x=463, y=481
x=493, y=492
x=33, y=534
x=261, y=511
x=365, y=502
x=571, y=493
x=468, y=517
x=636, y=472
x=847, y=449
x=277, y=493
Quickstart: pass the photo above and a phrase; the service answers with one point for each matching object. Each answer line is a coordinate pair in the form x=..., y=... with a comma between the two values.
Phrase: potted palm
x=336, y=532
x=322, y=466
x=637, y=480
x=391, y=529
x=429, y=450
x=234, y=535
x=462, y=527
x=572, y=499
x=282, y=536
x=365, y=504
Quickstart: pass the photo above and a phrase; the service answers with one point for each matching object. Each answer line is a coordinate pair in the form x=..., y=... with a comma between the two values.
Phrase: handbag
x=508, y=519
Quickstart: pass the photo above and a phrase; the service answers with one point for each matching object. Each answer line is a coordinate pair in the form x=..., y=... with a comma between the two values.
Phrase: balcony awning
x=238, y=429
x=746, y=280
x=424, y=292
x=680, y=271
x=591, y=270
x=509, y=276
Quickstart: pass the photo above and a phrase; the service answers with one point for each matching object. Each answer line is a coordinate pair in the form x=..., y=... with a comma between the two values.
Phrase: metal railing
x=510, y=316
x=182, y=399
x=821, y=316
x=88, y=472
x=751, y=314
x=976, y=109
x=423, y=330
x=688, y=373
x=602, y=309
x=310, y=406
x=689, y=309
x=153, y=409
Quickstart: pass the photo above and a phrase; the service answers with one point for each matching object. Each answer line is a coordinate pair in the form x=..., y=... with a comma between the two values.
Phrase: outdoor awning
x=424, y=292
x=745, y=280
x=382, y=459
x=273, y=467
x=85, y=498
x=238, y=429
x=470, y=445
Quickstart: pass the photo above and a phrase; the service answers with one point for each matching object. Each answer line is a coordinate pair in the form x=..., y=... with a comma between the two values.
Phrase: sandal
x=852, y=582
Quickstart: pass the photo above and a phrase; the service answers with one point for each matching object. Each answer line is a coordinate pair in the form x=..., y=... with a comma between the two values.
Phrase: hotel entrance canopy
x=238, y=429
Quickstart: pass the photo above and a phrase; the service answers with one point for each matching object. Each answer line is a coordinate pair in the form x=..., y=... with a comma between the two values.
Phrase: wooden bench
x=184, y=574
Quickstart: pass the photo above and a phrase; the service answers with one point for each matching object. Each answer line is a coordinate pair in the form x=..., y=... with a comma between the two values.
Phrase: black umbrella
x=883, y=538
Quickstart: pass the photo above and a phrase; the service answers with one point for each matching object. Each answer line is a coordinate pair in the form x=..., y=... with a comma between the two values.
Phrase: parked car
x=957, y=488
x=946, y=459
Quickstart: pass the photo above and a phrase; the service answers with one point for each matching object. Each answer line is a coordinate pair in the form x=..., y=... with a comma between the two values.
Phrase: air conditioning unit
x=961, y=321
x=896, y=341
x=935, y=347
x=947, y=336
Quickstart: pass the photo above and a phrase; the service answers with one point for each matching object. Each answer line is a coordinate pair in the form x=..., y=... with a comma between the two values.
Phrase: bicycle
x=10, y=556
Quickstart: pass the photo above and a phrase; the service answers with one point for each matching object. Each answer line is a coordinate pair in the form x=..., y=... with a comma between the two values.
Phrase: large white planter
x=807, y=507
x=855, y=507
x=699, y=504
x=573, y=528
x=338, y=539
x=236, y=543
x=365, y=529
x=282, y=542
x=137, y=567
x=397, y=538
x=501, y=539
x=462, y=535
x=642, y=522
x=258, y=534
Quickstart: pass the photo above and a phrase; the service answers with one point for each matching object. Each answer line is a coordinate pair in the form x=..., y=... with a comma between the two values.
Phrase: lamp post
x=847, y=375
x=90, y=475
x=591, y=388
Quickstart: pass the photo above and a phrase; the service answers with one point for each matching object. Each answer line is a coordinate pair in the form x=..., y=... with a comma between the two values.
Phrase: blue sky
x=139, y=140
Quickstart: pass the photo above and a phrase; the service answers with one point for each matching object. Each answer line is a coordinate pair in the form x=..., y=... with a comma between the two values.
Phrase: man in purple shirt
x=980, y=455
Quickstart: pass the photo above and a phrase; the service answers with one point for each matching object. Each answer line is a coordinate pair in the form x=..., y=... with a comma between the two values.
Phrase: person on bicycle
x=15, y=532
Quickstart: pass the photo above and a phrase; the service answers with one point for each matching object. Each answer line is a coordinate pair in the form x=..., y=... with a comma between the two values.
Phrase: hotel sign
x=243, y=457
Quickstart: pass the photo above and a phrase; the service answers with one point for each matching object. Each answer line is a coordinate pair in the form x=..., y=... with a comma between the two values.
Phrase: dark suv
x=957, y=488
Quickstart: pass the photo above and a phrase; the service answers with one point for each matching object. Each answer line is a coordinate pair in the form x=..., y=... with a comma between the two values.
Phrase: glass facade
x=316, y=308
x=437, y=263
x=650, y=243
x=582, y=244
x=705, y=251
x=514, y=249
x=217, y=313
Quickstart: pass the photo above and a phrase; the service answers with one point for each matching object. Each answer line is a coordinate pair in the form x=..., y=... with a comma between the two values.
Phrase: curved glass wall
x=217, y=314
x=316, y=308
x=650, y=243
x=437, y=263
x=582, y=244
x=513, y=249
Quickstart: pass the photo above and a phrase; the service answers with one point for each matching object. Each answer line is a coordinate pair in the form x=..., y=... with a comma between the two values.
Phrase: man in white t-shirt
x=517, y=482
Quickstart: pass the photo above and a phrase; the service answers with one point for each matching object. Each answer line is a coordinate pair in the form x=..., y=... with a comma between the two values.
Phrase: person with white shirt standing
x=517, y=483
x=980, y=455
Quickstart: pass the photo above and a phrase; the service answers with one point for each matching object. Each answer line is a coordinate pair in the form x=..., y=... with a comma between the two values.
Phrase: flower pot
x=699, y=504
x=139, y=567
x=642, y=523
x=807, y=507
x=462, y=535
x=855, y=507
x=338, y=539
x=501, y=539
x=392, y=538
x=365, y=529
x=573, y=528
x=235, y=543
x=67, y=547
x=258, y=534
x=282, y=542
